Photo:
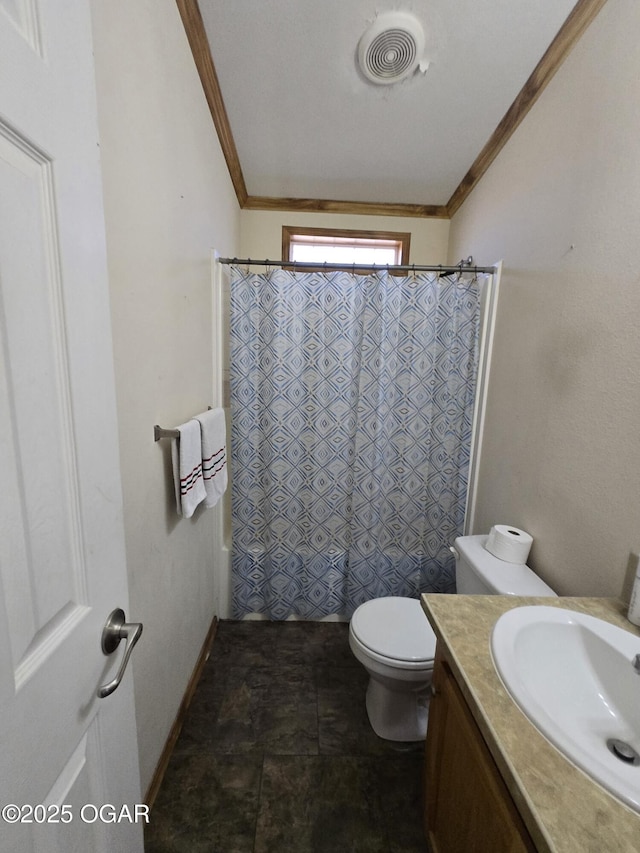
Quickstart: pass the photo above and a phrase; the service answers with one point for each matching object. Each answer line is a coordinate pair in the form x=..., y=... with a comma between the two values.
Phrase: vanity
x=493, y=782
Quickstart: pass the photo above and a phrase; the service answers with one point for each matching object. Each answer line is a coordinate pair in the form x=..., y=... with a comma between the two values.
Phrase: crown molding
x=318, y=205
x=199, y=43
x=576, y=23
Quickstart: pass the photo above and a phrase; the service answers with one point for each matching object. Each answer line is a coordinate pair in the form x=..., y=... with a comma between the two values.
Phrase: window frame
x=401, y=237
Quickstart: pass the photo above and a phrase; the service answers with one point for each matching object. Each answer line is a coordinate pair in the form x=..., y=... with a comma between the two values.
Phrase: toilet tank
x=480, y=573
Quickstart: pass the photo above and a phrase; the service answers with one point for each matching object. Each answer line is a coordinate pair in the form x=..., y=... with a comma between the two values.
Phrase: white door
x=62, y=563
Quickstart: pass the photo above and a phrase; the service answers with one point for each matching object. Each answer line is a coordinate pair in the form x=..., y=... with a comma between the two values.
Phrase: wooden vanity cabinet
x=468, y=807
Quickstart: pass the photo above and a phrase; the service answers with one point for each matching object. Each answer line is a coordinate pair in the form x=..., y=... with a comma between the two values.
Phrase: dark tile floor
x=277, y=754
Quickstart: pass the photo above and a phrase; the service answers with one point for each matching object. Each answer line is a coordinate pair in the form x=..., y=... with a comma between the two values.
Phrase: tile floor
x=276, y=754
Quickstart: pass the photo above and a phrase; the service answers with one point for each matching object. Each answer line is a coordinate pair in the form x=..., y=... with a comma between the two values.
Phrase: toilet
x=393, y=640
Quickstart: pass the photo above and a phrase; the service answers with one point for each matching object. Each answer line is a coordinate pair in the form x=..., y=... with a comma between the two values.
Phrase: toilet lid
x=396, y=628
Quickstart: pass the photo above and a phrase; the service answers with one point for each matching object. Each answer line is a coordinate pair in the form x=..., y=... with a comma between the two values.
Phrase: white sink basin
x=573, y=677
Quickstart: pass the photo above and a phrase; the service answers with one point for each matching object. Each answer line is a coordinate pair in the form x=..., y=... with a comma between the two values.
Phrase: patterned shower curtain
x=351, y=404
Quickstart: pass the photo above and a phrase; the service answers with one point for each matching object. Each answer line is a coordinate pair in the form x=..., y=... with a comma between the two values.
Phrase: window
x=342, y=246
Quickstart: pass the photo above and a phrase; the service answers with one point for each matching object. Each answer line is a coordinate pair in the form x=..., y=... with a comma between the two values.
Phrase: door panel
x=23, y=15
x=37, y=435
x=62, y=560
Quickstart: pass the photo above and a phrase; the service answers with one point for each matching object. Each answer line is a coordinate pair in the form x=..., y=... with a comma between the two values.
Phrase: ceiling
x=302, y=127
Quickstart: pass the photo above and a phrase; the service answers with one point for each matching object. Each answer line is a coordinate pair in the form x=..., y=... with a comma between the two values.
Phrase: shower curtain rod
x=314, y=265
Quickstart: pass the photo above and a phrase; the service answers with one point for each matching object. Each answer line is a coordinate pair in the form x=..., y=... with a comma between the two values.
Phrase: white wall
x=261, y=232
x=168, y=201
x=561, y=206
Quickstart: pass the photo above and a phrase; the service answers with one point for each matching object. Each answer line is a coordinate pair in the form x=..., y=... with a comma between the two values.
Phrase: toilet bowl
x=393, y=640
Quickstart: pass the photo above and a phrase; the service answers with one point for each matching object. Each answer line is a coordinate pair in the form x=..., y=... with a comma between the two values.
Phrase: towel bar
x=159, y=432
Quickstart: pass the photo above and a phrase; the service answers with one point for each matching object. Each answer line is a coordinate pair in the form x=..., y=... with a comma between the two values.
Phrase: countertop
x=564, y=810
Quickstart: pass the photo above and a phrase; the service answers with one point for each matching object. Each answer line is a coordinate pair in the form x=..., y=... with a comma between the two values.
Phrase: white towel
x=214, y=454
x=187, y=468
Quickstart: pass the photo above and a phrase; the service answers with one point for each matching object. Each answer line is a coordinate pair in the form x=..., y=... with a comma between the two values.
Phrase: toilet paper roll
x=509, y=543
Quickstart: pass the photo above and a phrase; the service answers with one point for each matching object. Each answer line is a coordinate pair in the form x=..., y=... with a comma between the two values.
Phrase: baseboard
x=169, y=746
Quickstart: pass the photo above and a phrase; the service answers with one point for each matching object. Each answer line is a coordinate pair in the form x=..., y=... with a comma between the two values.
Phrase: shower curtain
x=351, y=404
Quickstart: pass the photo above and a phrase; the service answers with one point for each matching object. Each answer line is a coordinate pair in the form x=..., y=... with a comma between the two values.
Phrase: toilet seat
x=395, y=631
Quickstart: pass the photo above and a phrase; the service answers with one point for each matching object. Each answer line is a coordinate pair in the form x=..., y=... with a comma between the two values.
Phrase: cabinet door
x=469, y=809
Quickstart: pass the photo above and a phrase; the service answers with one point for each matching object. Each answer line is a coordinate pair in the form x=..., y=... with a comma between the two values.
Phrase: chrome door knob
x=115, y=630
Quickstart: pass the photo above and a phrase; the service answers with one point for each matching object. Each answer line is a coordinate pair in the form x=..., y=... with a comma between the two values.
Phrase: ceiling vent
x=392, y=48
